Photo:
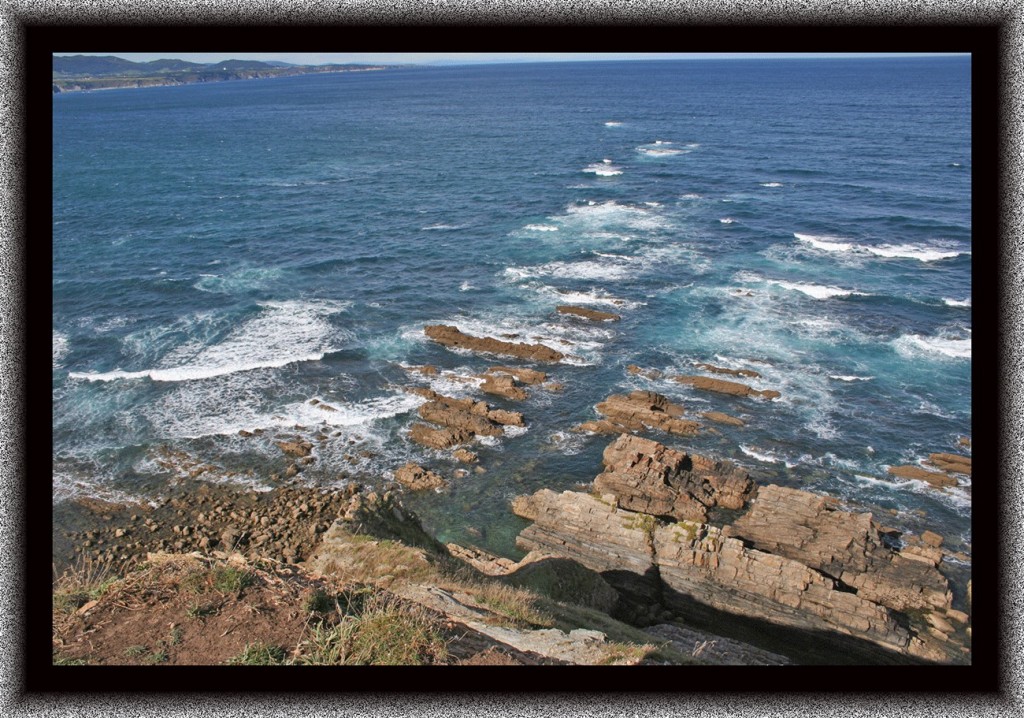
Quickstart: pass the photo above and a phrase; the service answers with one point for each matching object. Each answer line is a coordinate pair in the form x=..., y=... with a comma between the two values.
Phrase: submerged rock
x=935, y=478
x=725, y=370
x=450, y=336
x=521, y=374
x=723, y=386
x=721, y=418
x=592, y=314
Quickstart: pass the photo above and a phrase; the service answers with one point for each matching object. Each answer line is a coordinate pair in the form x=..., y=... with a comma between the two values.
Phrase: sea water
x=224, y=254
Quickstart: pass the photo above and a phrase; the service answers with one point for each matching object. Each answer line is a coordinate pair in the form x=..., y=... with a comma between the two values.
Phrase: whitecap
x=771, y=184
x=241, y=280
x=282, y=333
x=541, y=227
x=825, y=243
x=466, y=286
x=603, y=169
x=727, y=220
x=941, y=347
x=914, y=251
x=849, y=377
x=513, y=431
x=60, y=347
x=442, y=227
x=956, y=302
x=818, y=291
x=612, y=123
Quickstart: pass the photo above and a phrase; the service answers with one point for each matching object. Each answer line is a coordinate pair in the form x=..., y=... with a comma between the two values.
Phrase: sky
x=449, y=58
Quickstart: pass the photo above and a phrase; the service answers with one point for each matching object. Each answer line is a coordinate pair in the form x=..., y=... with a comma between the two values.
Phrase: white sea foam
x=941, y=347
x=612, y=123
x=596, y=296
x=957, y=302
x=442, y=227
x=603, y=169
x=690, y=195
x=766, y=456
x=282, y=333
x=920, y=252
x=514, y=431
x=466, y=286
x=602, y=216
x=818, y=291
x=849, y=377
x=771, y=184
x=541, y=227
x=727, y=220
x=585, y=269
x=60, y=348
x=659, y=151
x=241, y=280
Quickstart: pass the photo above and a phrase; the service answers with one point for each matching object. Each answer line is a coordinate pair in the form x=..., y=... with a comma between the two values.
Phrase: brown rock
x=591, y=314
x=721, y=418
x=525, y=376
x=417, y=478
x=932, y=539
x=934, y=478
x=734, y=372
x=725, y=387
x=446, y=414
x=298, y=448
x=951, y=463
x=640, y=410
x=442, y=438
x=450, y=336
x=465, y=456
x=649, y=373
x=506, y=418
x=502, y=385
x=648, y=477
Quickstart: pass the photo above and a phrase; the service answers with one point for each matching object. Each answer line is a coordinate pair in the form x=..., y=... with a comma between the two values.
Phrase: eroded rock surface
x=415, y=477
x=723, y=386
x=638, y=411
x=648, y=477
x=450, y=336
x=592, y=314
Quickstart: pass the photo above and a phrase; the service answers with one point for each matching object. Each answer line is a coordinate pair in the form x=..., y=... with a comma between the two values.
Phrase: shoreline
x=61, y=86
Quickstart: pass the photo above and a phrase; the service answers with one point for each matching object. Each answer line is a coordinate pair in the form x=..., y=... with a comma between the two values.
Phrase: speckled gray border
x=15, y=13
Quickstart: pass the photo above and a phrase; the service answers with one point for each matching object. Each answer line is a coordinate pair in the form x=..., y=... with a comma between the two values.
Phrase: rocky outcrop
x=723, y=386
x=451, y=337
x=443, y=438
x=300, y=448
x=715, y=650
x=725, y=370
x=795, y=560
x=951, y=463
x=647, y=477
x=502, y=385
x=638, y=411
x=461, y=419
x=937, y=479
x=844, y=545
x=521, y=374
x=654, y=374
x=592, y=314
x=720, y=418
x=415, y=477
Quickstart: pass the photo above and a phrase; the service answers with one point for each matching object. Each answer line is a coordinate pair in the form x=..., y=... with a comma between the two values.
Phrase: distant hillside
x=82, y=72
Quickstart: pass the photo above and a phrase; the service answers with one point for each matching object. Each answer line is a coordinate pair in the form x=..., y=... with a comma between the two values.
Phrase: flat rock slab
x=451, y=337
x=592, y=314
x=723, y=386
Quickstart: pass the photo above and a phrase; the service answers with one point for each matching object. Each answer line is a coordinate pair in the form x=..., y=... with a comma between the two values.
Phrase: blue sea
x=224, y=254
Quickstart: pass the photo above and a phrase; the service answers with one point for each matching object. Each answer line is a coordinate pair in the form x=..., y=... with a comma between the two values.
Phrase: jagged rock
x=442, y=438
x=812, y=529
x=931, y=539
x=502, y=385
x=725, y=387
x=417, y=478
x=450, y=336
x=934, y=478
x=505, y=418
x=649, y=373
x=465, y=456
x=298, y=448
x=951, y=463
x=724, y=370
x=591, y=314
x=481, y=560
x=640, y=410
x=721, y=418
x=525, y=376
x=639, y=555
x=647, y=477
x=457, y=417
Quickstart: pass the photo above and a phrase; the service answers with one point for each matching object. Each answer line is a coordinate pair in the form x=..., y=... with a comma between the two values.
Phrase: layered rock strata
x=460, y=420
x=795, y=560
x=451, y=337
x=638, y=411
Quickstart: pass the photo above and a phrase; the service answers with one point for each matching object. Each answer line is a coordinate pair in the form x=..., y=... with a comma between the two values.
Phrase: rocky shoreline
x=667, y=540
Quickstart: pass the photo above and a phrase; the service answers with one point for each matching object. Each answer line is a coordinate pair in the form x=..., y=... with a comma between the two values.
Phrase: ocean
x=264, y=255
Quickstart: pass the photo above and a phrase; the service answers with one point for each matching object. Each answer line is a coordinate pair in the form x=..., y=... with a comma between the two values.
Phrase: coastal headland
x=79, y=73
